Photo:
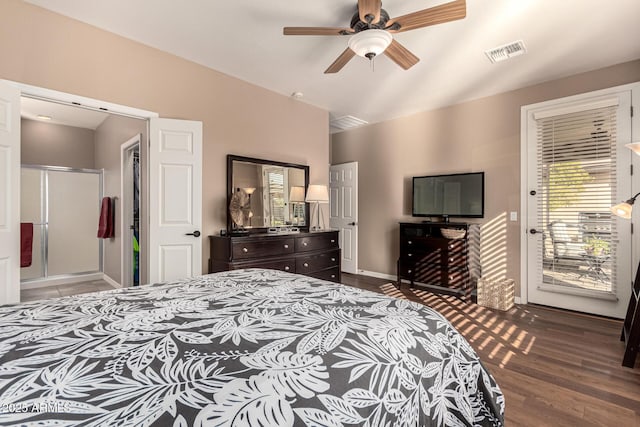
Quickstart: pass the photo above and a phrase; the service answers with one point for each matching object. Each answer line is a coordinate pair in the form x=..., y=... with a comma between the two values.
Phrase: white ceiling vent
x=346, y=122
x=506, y=51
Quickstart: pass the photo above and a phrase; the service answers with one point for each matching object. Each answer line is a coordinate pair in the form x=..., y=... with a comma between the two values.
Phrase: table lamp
x=317, y=194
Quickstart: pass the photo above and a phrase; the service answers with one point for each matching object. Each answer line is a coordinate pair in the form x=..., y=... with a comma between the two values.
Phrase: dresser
x=430, y=259
x=314, y=254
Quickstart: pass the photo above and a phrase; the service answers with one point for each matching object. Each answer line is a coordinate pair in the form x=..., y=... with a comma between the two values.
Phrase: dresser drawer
x=310, y=263
x=457, y=278
x=456, y=260
x=281, y=264
x=421, y=242
x=262, y=248
x=331, y=274
x=318, y=242
x=418, y=256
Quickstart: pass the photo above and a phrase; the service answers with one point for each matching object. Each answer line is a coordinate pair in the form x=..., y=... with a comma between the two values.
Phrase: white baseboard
x=63, y=280
x=378, y=275
x=110, y=281
x=517, y=300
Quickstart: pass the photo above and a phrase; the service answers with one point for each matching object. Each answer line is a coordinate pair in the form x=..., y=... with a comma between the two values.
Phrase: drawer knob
x=286, y=268
x=409, y=271
x=409, y=242
x=333, y=276
x=286, y=246
x=245, y=250
x=333, y=260
x=409, y=255
x=306, y=264
x=304, y=243
x=450, y=259
x=333, y=240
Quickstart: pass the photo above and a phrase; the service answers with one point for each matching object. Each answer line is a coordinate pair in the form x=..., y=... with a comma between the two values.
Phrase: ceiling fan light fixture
x=370, y=43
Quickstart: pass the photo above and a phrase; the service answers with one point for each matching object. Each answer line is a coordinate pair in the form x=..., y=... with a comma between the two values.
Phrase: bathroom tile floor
x=64, y=290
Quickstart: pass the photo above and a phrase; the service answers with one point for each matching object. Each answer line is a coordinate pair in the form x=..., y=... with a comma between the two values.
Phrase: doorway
x=174, y=192
x=343, y=207
x=578, y=254
x=130, y=211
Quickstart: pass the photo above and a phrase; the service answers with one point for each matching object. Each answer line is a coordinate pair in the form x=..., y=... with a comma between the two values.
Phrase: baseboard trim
x=517, y=300
x=110, y=281
x=62, y=280
x=378, y=275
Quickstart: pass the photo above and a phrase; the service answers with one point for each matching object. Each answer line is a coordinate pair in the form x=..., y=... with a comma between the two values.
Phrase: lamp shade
x=249, y=190
x=634, y=146
x=369, y=43
x=296, y=194
x=623, y=210
x=317, y=193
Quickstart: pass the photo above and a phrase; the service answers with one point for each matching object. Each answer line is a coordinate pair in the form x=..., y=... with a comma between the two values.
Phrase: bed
x=247, y=347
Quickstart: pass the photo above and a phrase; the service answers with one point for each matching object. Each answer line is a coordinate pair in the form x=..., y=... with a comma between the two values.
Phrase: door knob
x=533, y=231
x=194, y=234
x=352, y=223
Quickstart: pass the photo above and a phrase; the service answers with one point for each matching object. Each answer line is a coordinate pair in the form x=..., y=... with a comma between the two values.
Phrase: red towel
x=26, y=243
x=105, y=226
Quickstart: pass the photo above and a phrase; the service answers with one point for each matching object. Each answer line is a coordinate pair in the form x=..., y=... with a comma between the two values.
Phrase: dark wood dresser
x=313, y=254
x=432, y=260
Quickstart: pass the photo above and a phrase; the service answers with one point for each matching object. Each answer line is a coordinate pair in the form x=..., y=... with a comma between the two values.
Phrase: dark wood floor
x=555, y=368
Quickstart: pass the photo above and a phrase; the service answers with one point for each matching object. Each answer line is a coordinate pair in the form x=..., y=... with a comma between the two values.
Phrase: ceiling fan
x=371, y=31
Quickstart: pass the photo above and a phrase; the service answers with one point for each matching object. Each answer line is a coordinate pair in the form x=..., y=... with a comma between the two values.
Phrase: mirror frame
x=233, y=158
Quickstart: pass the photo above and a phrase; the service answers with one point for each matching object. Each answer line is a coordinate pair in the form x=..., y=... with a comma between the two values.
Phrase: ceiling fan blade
x=401, y=55
x=315, y=31
x=341, y=61
x=432, y=16
x=369, y=7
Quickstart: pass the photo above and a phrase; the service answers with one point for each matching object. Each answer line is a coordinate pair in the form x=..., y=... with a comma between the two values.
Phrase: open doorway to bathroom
x=74, y=145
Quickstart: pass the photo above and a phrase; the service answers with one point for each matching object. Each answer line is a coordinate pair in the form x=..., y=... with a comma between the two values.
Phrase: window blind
x=275, y=180
x=576, y=177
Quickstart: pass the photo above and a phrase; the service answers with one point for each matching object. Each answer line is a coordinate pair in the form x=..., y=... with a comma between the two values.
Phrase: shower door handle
x=194, y=234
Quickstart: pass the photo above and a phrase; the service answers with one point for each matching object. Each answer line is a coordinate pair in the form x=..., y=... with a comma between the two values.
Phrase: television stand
x=433, y=261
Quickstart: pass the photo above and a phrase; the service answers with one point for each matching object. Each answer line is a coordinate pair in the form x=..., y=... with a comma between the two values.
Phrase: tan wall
x=481, y=135
x=110, y=135
x=56, y=145
x=44, y=49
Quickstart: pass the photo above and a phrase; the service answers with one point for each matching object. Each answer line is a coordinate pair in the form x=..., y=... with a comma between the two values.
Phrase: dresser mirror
x=263, y=194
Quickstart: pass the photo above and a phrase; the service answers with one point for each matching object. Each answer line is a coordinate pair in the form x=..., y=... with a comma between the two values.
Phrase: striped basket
x=498, y=294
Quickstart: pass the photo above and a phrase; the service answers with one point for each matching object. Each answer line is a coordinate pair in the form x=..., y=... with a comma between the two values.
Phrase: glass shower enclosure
x=64, y=206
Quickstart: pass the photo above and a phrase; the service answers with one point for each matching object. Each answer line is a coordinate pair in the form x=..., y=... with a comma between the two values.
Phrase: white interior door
x=9, y=194
x=579, y=255
x=343, y=199
x=175, y=187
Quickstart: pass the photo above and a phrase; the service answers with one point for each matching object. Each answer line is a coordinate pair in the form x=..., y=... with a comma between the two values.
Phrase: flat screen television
x=457, y=195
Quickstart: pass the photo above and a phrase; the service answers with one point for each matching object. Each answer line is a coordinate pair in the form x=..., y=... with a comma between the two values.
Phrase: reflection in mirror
x=266, y=194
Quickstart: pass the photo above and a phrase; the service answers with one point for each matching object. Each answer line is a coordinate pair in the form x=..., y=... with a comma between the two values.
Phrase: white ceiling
x=61, y=114
x=243, y=38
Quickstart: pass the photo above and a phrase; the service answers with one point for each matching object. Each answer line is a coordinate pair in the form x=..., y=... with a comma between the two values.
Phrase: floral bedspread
x=241, y=348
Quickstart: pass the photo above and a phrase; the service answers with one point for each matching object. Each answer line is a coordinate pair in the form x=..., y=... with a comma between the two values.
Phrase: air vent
x=346, y=122
x=504, y=52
